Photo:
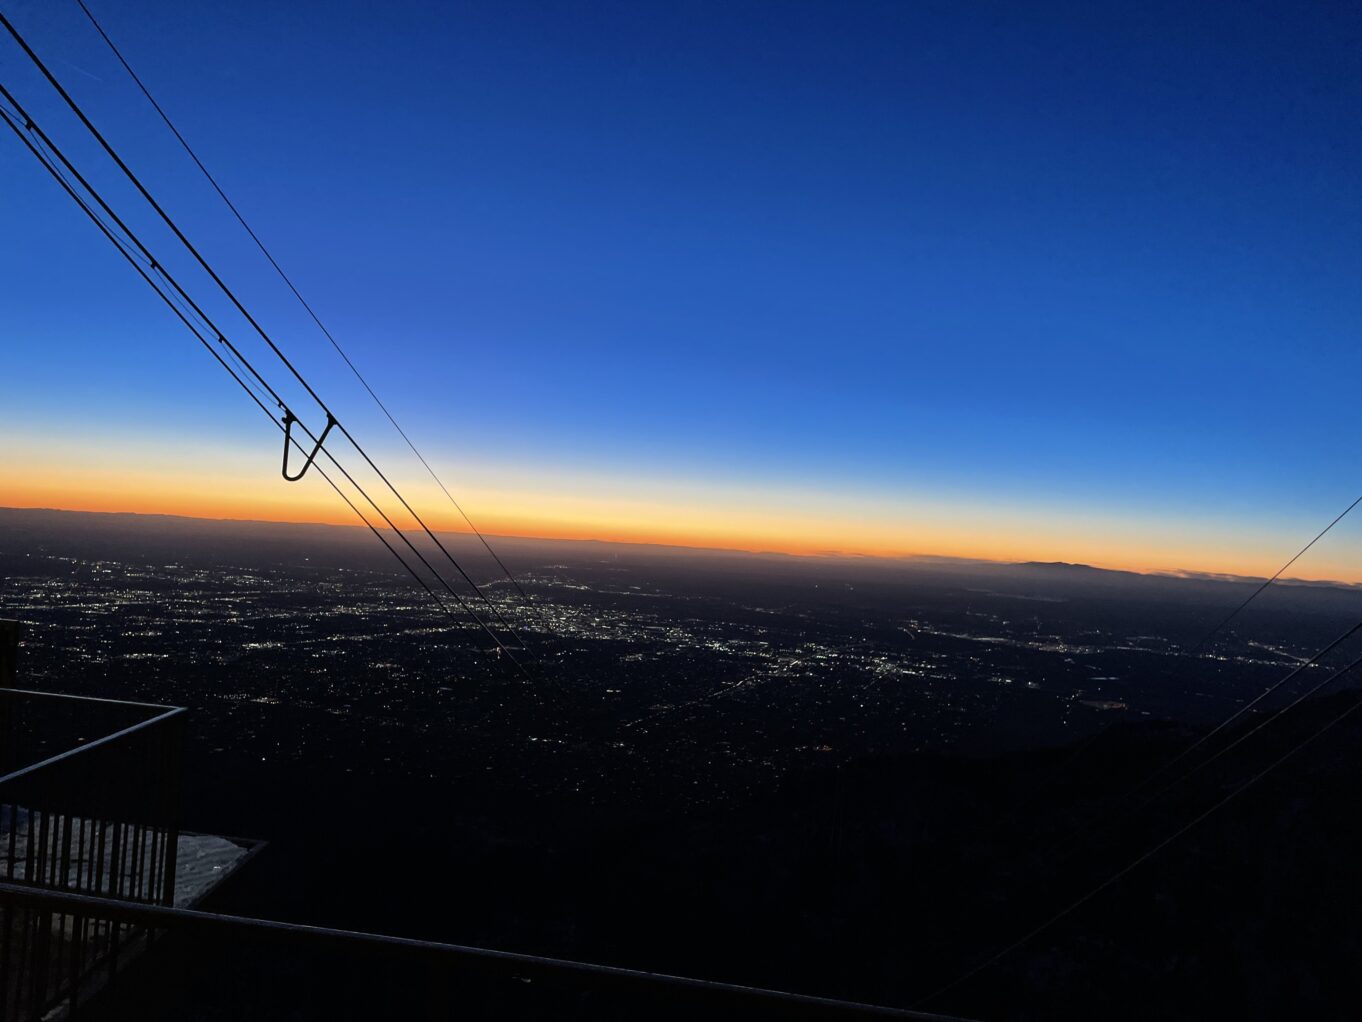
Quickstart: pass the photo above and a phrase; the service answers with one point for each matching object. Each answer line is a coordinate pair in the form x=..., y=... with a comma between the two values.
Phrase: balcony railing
x=88, y=805
x=89, y=835
x=223, y=966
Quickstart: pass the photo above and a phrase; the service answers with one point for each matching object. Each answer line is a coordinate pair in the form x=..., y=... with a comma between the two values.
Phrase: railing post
x=9, y=653
x=172, y=739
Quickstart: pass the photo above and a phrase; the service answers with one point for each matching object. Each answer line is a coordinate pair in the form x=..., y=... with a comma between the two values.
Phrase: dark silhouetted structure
x=99, y=895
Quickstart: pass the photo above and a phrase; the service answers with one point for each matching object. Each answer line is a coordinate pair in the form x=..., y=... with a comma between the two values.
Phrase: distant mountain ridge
x=1199, y=576
x=304, y=541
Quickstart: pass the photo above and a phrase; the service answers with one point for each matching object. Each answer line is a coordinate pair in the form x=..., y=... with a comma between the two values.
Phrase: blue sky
x=1090, y=262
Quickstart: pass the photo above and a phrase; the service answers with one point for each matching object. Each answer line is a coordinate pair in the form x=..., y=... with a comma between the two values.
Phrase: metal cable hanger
x=525, y=599
x=269, y=341
x=29, y=126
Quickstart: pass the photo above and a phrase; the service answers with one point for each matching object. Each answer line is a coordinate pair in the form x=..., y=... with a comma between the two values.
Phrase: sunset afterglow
x=831, y=330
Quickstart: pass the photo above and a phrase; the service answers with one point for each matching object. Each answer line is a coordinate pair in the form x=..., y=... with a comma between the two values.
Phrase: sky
x=1023, y=282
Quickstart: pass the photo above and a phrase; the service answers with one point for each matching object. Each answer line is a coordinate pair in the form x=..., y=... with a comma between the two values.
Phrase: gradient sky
x=1069, y=282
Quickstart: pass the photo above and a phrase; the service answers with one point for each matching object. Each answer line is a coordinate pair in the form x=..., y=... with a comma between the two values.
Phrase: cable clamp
x=289, y=420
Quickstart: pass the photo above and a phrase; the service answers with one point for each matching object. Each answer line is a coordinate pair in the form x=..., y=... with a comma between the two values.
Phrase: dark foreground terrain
x=857, y=779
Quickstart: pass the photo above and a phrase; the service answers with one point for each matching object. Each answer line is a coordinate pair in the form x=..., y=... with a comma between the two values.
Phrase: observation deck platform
x=89, y=806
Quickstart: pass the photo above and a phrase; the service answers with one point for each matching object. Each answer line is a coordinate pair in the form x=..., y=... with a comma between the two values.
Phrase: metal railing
x=239, y=967
x=88, y=838
x=88, y=806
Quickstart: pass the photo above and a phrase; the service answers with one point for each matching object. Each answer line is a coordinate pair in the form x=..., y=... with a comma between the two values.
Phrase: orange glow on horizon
x=660, y=522
x=236, y=483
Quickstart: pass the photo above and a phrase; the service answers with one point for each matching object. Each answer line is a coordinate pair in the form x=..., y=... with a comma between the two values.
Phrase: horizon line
x=825, y=555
